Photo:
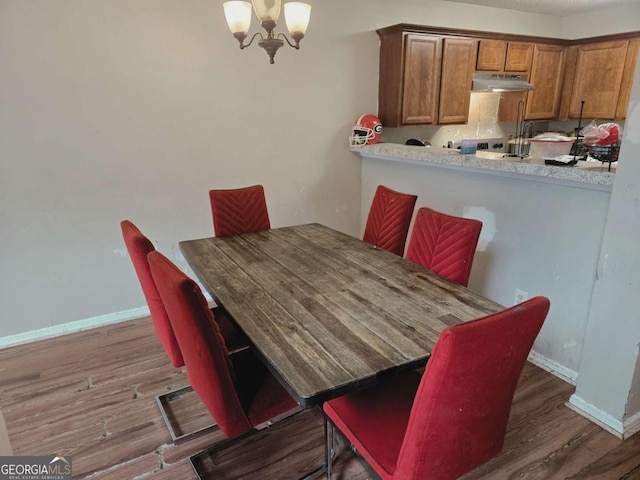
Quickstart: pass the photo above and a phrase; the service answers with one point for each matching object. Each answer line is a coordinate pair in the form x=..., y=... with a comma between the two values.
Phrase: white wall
x=609, y=378
x=113, y=109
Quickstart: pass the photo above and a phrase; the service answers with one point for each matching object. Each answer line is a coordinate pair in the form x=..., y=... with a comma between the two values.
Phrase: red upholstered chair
x=139, y=247
x=453, y=418
x=389, y=219
x=444, y=244
x=237, y=389
x=240, y=210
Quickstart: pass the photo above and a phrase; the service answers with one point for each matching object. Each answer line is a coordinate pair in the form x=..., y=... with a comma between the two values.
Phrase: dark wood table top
x=327, y=312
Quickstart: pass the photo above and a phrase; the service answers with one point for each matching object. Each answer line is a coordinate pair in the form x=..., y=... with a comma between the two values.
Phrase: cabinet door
x=491, y=55
x=422, y=55
x=458, y=64
x=518, y=57
x=627, y=78
x=547, y=73
x=598, y=75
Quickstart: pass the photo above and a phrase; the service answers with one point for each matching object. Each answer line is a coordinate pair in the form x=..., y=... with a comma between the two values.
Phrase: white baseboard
x=78, y=325
x=71, y=327
x=597, y=416
x=551, y=366
x=631, y=425
x=621, y=429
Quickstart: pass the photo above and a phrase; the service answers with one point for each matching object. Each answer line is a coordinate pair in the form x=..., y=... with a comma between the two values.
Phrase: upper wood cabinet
x=409, y=78
x=426, y=74
x=424, y=79
x=627, y=78
x=491, y=55
x=421, y=80
x=518, y=57
x=458, y=64
x=547, y=74
x=503, y=56
x=595, y=76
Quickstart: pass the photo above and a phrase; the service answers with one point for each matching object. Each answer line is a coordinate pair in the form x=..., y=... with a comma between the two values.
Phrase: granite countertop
x=586, y=174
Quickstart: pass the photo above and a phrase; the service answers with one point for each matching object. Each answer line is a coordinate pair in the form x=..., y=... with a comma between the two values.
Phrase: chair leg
x=336, y=443
x=329, y=446
x=163, y=402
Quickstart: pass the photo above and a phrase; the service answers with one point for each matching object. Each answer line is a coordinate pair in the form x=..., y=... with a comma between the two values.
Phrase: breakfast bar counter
x=590, y=175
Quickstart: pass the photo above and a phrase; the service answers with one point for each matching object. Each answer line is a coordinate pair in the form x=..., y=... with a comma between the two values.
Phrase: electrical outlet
x=520, y=297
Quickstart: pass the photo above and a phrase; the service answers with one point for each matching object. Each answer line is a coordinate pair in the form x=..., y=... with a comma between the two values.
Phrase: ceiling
x=561, y=8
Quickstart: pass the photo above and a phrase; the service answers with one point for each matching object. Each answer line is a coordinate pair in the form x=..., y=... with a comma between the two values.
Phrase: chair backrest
x=239, y=210
x=444, y=244
x=139, y=247
x=459, y=416
x=389, y=219
x=206, y=357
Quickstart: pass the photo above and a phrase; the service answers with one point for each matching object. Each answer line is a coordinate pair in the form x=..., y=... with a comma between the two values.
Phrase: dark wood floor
x=91, y=395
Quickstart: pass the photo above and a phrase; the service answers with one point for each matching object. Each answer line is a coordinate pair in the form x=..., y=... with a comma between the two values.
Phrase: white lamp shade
x=267, y=10
x=297, y=14
x=238, y=15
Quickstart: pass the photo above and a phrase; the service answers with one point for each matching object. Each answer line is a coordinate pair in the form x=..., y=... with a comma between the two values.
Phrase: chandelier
x=296, y=15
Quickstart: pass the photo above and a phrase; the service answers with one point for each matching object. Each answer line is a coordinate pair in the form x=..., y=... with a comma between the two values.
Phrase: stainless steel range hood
x=500, y=82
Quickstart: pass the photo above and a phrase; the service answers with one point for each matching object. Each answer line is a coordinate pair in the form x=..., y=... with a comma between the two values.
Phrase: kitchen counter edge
x=493, y=164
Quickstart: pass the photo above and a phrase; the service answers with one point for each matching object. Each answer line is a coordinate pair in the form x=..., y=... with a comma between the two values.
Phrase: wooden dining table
x=327, y=312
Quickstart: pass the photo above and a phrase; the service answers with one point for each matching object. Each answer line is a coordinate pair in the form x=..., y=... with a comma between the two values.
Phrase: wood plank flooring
x=92, y=395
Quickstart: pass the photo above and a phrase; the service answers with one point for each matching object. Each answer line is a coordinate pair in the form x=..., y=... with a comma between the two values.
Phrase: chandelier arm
x=245, y=45
x=296, y=45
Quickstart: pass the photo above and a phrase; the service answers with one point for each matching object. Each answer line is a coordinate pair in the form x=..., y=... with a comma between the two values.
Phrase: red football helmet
x=366, y=131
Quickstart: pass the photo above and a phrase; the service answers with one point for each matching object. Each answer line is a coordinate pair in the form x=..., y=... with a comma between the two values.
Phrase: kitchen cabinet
x=504, y=56
x=547, y=74
x=491, y=55
x=425, y=74
x=595, y=76
x=424, y=79
x=627, y=78
x=543, y=102
x=409, y=78
x=518, y=57
x=421, y=80
x=458, y=64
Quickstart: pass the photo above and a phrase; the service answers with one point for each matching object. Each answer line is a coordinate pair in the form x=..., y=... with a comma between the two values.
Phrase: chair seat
x=379, y=415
